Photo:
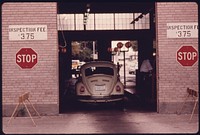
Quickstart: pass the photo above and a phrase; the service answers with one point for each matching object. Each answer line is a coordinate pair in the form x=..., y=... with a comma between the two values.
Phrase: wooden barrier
x=22, y=101
x=194, y=94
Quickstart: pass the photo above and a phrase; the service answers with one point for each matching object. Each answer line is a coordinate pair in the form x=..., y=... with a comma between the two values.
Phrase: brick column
x=41, y=80
x=173, y=79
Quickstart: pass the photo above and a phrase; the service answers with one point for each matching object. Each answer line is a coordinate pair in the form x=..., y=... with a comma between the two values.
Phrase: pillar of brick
x=42, y=79
x=173, y=78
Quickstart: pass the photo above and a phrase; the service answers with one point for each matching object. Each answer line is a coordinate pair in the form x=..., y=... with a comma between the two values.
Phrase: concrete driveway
x=104, y=122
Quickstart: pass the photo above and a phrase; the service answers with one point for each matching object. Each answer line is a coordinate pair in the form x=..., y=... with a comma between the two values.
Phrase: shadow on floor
x=132, y=102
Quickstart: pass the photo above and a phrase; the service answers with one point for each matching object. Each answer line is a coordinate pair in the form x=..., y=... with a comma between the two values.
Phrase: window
x=122, y=21
x=79, y=21
x=103, y=21
x=66, y=22
x=90, y=22
x=99, y=70
x=142, y=23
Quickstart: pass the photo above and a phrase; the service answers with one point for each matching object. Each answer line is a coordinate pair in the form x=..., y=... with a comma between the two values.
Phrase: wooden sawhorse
x=194, y=94
x=24, y=97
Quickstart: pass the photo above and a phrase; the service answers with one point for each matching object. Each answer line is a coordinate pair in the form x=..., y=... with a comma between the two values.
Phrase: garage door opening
x=101, y=28
x=130, y=76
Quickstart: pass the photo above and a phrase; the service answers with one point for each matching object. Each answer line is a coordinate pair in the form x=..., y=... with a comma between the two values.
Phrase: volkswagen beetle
x=99, y=82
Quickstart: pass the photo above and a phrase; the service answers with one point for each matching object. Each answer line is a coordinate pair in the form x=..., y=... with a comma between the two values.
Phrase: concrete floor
x=103, y=121
x=133, y=118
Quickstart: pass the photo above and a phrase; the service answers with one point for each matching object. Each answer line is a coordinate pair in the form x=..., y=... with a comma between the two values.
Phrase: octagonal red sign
x=187, y=56
x=26, y=58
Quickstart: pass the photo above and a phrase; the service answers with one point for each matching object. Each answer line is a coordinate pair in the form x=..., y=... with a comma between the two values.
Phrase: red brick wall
x=41, y=80
x=173, y=79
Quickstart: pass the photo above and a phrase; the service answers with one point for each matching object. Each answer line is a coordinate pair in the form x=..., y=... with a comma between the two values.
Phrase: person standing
x=146, y=71
x=146, y=67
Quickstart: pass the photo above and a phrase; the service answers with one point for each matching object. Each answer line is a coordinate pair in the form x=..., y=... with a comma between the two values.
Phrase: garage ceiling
x=105, y=7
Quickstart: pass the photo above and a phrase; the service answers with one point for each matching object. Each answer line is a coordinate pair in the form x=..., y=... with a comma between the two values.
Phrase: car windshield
x=99, y=70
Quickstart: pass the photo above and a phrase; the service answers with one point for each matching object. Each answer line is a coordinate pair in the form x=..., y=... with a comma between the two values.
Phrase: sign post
x=187, y=56
x=26, y=58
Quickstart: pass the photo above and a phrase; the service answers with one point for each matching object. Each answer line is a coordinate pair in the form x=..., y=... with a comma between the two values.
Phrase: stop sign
x=26, y=58
x=187, y=55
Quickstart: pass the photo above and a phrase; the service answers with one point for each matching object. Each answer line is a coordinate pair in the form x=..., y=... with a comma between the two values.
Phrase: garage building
x=30, y=52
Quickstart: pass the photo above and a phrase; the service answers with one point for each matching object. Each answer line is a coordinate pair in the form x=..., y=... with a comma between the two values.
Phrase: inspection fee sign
x=27, y=32
x=182, y=30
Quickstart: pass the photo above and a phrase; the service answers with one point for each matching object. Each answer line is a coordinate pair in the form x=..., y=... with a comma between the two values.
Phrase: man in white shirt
x=145, y=81
x=146, y=66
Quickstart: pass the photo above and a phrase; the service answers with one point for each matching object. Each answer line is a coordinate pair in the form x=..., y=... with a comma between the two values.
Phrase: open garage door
x=102, y=25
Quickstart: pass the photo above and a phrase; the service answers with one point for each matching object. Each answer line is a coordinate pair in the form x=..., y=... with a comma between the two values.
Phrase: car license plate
x=100, y=88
